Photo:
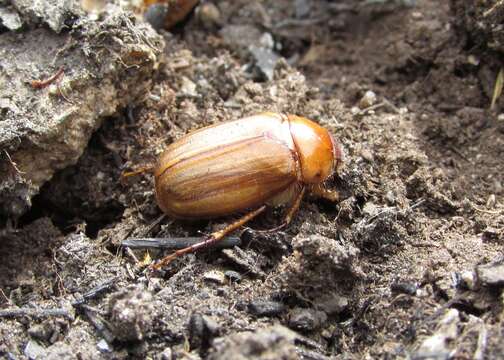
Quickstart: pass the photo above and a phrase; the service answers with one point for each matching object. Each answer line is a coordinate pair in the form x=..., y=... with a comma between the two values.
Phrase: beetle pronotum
x=268, y=159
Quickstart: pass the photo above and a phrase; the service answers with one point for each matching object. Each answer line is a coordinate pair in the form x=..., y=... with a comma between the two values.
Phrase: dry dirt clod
x=306, y=320
x=131, y=313
x=438, y=345
x=491, y=274
x=276, y=342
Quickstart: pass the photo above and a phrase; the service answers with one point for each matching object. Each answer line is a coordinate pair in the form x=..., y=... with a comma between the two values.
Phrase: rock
x=42, y=331
x=275, y=342
x=34, y=351
x=214, y=276
x=491, y=274
x=131, y=313
x=266, y=308
x=103, y=346
x=325, y=253
x=265, y=60
x=155, y=15
x=248, y=260
x=188, y=88
x=10, y=19
x=405, y=287
x=332, y=304
x=60, y=351
x=306, y=320
x=208, y=14
x=53, y=13
x=167, y=354
x=44, y=131
x=202, y=330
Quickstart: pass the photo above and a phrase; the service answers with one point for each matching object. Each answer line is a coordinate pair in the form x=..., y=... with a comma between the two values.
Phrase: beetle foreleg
x=319, y=191
x=210, y=240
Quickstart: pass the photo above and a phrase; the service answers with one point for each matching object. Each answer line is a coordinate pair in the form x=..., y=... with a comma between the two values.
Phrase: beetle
x=246, y=165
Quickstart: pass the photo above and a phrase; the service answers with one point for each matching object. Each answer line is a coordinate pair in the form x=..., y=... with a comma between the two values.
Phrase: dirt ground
x=409, y=264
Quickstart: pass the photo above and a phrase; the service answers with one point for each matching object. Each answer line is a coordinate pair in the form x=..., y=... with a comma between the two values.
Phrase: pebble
x=333, y=304
x=369, y=99
x=436, y=345
x=214, y=276
x=404, y=287
x=34, y=351
x=266, y=308
x=208, y=14
x=155, y=15
x=306, y=320
x=103, y=346
x=202, y=330
x=233, y=276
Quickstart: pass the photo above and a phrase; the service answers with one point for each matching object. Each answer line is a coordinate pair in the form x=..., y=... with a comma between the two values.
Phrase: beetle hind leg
x=209, y=240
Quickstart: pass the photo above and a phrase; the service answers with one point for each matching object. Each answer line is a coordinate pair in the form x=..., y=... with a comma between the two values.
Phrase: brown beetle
x=248, y=164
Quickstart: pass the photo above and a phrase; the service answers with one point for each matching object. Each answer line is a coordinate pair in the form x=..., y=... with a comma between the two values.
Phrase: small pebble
x=167, y=354
x=155, y=15
x=103, y=346
x=333, y=304
x=367, y=155
x=491, y=201
x=41, y=331
x=369, y=99
x=208, y=14
x=468, y=278
x=266, y=308
x=405, y=287
x=202, y=330
x=233, y=276
x=33, y=350
x=188, y=87
x=306, y=320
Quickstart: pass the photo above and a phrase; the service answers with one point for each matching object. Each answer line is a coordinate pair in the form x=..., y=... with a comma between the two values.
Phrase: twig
x=36, y=313
x=94, y=292
x=176, y=243
x=40, y=84
x=132, y=255
x=496, y=212
x=13, y=164
x=98, y=323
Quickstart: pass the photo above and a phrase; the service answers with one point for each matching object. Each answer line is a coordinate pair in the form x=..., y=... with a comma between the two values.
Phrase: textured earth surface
x=407, y=265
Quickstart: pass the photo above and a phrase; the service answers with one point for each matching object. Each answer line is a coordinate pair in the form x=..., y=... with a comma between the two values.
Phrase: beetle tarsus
x=210, y=240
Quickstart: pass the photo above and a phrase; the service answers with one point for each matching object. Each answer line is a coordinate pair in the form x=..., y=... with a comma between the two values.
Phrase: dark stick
x=94, y=292
x=176, y=243
x=36, y=313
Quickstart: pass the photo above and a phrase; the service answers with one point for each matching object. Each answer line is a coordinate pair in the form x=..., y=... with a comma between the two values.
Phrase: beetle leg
x=139, y=171
x=210, y=240
x=320, y=191
x=294, y=207
x=289, y=215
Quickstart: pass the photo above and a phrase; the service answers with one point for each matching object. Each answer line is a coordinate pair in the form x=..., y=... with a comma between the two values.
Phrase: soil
x=393, y=270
